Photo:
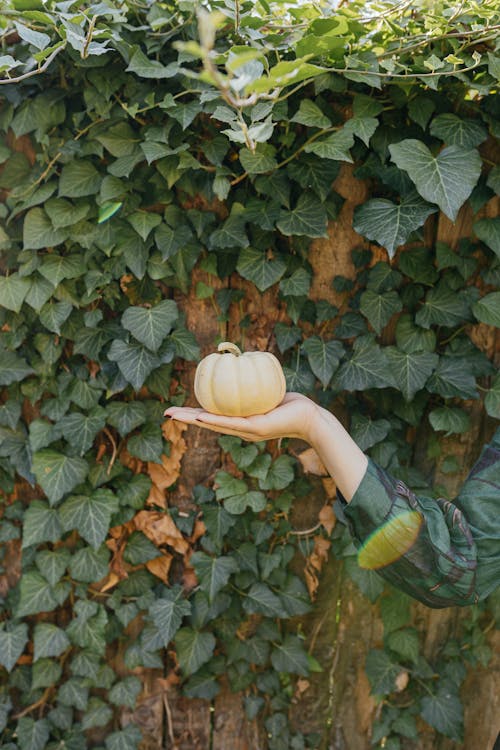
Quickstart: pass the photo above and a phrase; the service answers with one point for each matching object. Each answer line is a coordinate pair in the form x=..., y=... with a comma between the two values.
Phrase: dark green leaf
x=411, y=370
x=390, y=224
x=35, y=595
x=89, y=515
x=31, y=734
x=458, y=131
x=290, y=656
x=151, y=325
x=488, y=230
x=13, y=368
x=487, y=309
x=307, y=218
x=41, y=524
x=450, y=419
x=256, y=266
x=49, y=640
x=134, y=361
x=212, y=572
x=79, y=178
x=444, y=711
x=447, y=179
x=89, y=565
x=13, y=639
x=38, y=231
x=367, y=368
x=381, y=671
x=368, y=432
x=168, y=612
x=335, y=146
x=261, y=600
x=13, y=290
x=58, y=474
x=323, y=357
x=194, y=648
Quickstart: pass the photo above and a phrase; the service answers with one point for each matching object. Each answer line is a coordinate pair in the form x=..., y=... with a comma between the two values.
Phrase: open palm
x=291, y=418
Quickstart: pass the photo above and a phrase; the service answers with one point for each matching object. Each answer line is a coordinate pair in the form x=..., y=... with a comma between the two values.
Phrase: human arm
x=455, y=557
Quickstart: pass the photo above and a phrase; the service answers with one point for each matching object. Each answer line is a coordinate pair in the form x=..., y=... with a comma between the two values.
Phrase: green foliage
x=141, y=144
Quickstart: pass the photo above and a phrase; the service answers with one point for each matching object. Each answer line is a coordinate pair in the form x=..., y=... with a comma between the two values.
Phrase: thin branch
x=37, y=71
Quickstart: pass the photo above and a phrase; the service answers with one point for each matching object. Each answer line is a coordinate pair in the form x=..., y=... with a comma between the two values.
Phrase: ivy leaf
x=38, y=231
x=447, y=179
x=286, y=336
x=126, y=416
x=13, y=290
x=126, y=691
x=89, y=565
x=362, y=127
x=335, y=146
x=378, y=309
x=168, y=612
x=125, y=739
x=169, y=241
x=294, y=597
x=79, y=178
x=134, y=361
x=56, y=268
x=323, y=357
x=40, y=291
x=148, y=444
x=453, y=377
x=52, y=563
x=281, y=473
x=410, y=338
x=58, y=474
x=213, y=572
x=232, y=232
x=31, y=734
x=450, y=419
x=49, y=640
x=311, y=115
x=487, y=309
x=237, y=504
x=185, y=344
x=458, y=131
x=290, y=656
x=390, y=224
x=488, y=231
x=80, y=430
x=367, y=432
x=35, y=595
x=308, y=218
x=45, y=673
x=13, y=639
x=259, y=161
x=405, y=644
x=263, y=271
x=411, y=370
x=381, y=672
x=98, y=714
x=139, y=549
x=194, y=648
x=143, y=67
x=89, y=515
x=367, y=368
x=13, y=368
x=261, y=600
x=53, y=315
x=150, y=326
x=144, y=222
x=297, y=284
x=316, y=174
x=40, y=524
x=444, y=711
x=63, y=213
x=442, y=306
x=492, y=399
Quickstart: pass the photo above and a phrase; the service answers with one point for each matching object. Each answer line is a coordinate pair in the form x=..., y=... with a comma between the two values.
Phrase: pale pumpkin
x=239, y=384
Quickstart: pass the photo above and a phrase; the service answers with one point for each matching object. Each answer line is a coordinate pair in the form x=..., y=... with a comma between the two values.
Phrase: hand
x=293, y=417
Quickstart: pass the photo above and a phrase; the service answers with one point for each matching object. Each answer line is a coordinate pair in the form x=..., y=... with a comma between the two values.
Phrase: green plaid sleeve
x=455, y=558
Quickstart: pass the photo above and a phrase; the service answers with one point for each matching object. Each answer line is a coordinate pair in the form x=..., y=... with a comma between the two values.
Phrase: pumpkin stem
x=227, y=346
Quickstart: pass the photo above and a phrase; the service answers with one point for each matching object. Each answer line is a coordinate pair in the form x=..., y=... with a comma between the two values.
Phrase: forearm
x=342, y=458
